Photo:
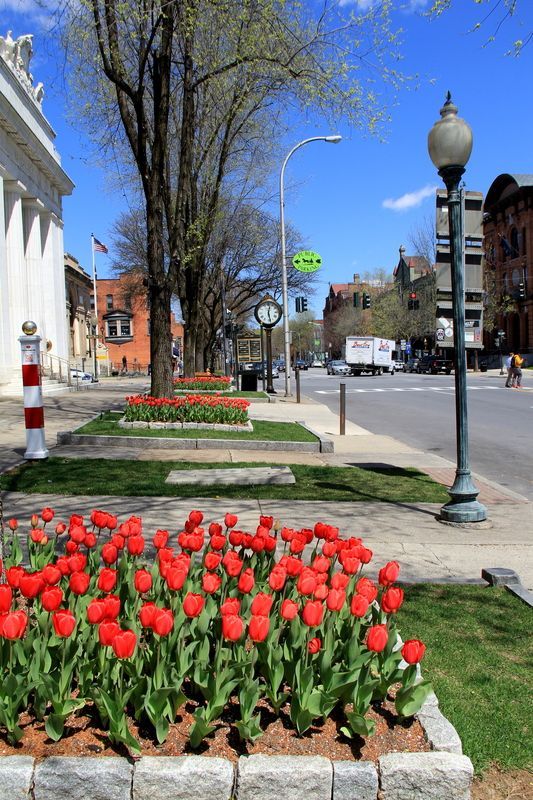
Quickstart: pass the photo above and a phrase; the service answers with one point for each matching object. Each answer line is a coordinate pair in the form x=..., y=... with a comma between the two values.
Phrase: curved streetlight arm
x=284, y=287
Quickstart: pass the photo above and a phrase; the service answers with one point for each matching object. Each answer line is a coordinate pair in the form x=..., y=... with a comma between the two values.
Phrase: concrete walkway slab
x=249, y=476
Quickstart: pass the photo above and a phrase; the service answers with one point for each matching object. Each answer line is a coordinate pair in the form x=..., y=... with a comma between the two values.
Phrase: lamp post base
x=463, y=505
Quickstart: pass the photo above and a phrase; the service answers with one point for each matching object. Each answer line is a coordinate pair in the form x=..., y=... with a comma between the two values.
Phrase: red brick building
x=124, y=323
x=508, y=245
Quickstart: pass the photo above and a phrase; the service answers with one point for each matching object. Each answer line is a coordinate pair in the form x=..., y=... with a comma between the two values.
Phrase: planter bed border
x=440, y=774
x=185, y=426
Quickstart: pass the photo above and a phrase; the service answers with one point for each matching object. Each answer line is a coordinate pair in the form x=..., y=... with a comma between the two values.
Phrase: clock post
x=268, y=313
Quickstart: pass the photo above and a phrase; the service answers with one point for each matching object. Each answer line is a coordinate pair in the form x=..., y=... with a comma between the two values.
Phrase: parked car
x=301, y=364
x=317, y=363
x=398, y=366
x=77, y=375
x=411, y=365
x=280, y=364
x=434, y=365
x=338, y=368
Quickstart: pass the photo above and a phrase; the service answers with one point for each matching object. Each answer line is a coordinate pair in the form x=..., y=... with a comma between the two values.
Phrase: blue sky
x=355, y=202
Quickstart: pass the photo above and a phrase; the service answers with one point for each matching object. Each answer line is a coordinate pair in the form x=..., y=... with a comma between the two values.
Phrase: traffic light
x=412, y=303
x=356, y=299
x=366, y=300
x=301, y=304
x=522, y=290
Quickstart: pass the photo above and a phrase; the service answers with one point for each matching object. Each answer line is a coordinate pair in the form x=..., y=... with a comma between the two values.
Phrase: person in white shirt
x=509, y=381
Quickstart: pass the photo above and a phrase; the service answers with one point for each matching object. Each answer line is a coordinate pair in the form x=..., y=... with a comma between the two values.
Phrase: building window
x=119, y=329
x=109, y=301
x=148, y=327
x=92, y=303
x=523, y=247
x=127, y=301
x=514, y=243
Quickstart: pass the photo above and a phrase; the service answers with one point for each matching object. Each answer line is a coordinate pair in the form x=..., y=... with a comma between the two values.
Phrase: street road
x=420, y=411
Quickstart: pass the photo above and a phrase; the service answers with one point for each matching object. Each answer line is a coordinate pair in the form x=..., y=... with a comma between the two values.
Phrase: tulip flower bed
x=202, y=383
x=217, y=618
x=190, y=408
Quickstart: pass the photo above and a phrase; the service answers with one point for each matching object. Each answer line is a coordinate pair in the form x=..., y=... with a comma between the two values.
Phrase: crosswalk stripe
x=407, y=389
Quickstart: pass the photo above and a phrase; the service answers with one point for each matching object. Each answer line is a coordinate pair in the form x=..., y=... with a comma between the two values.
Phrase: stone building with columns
x=32, y=185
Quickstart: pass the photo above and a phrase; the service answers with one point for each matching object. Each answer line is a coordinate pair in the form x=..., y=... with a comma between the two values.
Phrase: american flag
x=98, y=247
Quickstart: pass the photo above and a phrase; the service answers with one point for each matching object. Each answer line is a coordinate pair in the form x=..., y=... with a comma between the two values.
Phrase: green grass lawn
x=106, y=425
x=130, y=478
x=480, y=660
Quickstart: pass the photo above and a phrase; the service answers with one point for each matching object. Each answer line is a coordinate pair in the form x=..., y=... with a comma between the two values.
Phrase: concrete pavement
x=407, y=532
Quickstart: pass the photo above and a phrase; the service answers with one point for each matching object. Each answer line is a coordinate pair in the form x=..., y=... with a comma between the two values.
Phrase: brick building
x=508, y=245
x=124, y=322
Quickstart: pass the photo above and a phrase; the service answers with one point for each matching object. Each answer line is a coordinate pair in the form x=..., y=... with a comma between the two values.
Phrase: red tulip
x=135, y=545
x=13, y=576
x=211, y=582
x=124, y=644
x=232, y=563
x=163, y=621
x=377, y=638
x=391, y=600
x=294, y=566
x=71, y=547
x=212, y=560
x=47, y=514
x=365, y=555
x=413, y=651
x=266, y=522
x=51, y=598
x=60, y=529
x=78, y=533
x=339, y=580
x=314, y=645
x=277, y=578
x=64, y=622
x=143, y=581
x=96, y=611
x=307, y=582
x=218, y=542
x=107, y=579
x=76, y=519
x=77, y=562
x=261, y=604
x=232, y=627
x=112, y=606
x=175, y=578
x=147, y=614
x=335, y=599
x=90, y=540
x=109, y=553
x=6, y=597
x=215, y=529
x=289, y=609
x=193, y=604
x=359, y=605
x=79, y=582
x=389, y=573
x=160, y=539
x=13, y=524
x=38, y=536
x=231, y=606
x=14, y=625
x=312, y=613
x=31, y=585
x=196, y=517
x=107, y=630
x=34, y=520
x=230, y=520
x=258, y=628
x=321, y=564
x=246, y=581
x=367, y=588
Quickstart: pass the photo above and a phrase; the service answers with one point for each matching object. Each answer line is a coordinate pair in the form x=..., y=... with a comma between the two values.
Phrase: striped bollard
x=33, y=397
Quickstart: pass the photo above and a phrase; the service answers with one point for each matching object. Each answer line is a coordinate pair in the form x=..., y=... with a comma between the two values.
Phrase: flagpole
x=95, y=308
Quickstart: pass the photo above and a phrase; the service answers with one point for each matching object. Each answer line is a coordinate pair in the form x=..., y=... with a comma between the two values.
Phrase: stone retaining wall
x=442, y=774
x=186, y=426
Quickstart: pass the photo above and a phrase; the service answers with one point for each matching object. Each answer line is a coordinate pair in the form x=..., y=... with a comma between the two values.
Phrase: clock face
x=268, y=313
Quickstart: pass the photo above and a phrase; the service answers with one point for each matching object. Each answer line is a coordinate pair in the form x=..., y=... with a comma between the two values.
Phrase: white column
x=15, y=266
x=57, y=266
x=49, y=283
x=7, y=346
x=31, y=209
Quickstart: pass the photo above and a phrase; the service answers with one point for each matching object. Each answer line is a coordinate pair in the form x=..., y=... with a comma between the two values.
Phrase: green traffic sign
x=307, y=261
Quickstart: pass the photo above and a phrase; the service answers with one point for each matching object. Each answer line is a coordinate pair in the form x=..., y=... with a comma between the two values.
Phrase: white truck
x=370, y=354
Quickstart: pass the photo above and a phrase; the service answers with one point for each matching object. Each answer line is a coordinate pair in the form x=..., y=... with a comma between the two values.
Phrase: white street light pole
x=284, y=289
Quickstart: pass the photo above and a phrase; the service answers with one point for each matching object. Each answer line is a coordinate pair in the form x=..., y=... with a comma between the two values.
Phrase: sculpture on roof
x=17, y=54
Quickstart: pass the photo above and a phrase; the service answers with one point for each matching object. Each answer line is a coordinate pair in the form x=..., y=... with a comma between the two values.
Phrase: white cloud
x=409, y=199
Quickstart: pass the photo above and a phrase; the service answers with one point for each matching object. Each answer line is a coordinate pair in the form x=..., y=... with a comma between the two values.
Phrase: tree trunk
x=160, y=341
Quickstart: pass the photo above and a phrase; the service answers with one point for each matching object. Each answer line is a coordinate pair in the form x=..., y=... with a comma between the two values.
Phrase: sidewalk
x=408, y=532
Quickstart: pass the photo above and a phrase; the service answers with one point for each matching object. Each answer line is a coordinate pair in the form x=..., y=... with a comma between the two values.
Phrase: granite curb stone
x=16, y=776
x=425, y=776
x=155, y=443
x=68, y=778
x=272, y=777
x=354, y=780
x=439, y=731
x=183, y=778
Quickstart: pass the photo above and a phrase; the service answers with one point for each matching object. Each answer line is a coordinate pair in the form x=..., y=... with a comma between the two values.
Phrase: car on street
x=398, y=366
x=317, y=363
x=434, y=365
x=301, y=364
x=338, y=368
x=79, y=376
x=280, y=364
x=411, y=364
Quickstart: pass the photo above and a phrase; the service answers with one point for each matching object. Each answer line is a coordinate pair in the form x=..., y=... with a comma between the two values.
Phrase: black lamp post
x=450, y=145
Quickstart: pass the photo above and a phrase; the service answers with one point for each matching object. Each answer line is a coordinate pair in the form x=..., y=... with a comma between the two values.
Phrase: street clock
x=267, y=312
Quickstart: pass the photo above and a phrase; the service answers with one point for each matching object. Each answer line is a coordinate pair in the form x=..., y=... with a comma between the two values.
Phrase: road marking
x=407, y=389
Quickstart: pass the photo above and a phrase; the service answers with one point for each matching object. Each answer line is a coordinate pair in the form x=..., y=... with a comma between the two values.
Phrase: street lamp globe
x=335, y=139
x=450, y=139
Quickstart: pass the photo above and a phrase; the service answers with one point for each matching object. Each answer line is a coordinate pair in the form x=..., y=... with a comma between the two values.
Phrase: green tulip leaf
x=410, y=699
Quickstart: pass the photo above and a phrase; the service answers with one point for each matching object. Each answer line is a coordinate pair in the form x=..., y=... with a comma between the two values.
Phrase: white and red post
x=33, y=396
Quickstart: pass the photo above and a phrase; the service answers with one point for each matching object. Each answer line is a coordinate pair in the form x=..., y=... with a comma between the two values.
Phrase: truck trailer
x=370, y=354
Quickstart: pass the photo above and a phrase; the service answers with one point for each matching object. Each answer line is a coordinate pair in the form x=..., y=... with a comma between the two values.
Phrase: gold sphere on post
x=29, y=327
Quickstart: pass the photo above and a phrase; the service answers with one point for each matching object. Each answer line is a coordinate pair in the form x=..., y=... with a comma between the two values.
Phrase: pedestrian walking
x=508, y=364
x=516, y=364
